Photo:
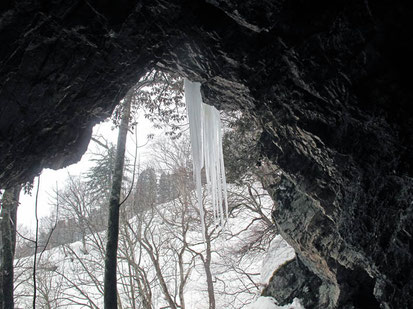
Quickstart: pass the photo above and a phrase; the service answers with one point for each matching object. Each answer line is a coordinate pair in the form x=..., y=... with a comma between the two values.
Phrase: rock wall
x=294, y=280
x=327, y=81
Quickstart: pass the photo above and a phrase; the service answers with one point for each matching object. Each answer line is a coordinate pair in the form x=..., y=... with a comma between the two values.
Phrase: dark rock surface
x=294, y=280
x=327, y=81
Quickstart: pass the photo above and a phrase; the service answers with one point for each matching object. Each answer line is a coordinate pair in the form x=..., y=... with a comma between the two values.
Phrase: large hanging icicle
x=194, y=109
x=206, y=142
x=214, y=162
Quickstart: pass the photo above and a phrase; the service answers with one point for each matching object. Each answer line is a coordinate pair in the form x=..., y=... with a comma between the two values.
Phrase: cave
x=327, y=82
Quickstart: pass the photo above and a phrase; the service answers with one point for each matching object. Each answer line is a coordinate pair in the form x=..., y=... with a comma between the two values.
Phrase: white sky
x=50, y=178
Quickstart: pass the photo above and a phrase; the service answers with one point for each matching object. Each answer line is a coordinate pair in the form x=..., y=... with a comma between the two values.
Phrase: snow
x=206, y=143
x=278, y=253
x=233, y=290
x=264, y=302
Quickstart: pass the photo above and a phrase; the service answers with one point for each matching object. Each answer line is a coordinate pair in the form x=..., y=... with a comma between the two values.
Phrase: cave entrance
x=160, y=198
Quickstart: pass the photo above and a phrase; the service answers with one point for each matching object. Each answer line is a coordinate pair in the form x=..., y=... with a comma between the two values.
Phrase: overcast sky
x=50, y=178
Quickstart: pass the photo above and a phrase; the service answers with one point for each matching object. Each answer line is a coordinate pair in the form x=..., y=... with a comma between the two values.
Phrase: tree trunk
x=110, y=287
x=182, y=279
x=207, y=267
x=162, y=281
x=9, y=204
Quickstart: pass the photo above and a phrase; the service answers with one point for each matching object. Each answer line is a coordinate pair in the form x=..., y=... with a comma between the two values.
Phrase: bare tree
x=247, y=241
x=78, y=205
x=176, y=156
x=160, y=250
x=49, y=287
x=165, y=90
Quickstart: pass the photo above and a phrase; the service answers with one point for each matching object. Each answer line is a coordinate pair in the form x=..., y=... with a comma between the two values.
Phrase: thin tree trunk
x=161, y=279
x=36, y=245
x=182, y=279
x=9, y=204
x=110, y=287
x=207, y=266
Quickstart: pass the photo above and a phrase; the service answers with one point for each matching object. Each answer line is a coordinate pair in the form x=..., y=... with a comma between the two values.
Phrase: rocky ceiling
x=329, y=83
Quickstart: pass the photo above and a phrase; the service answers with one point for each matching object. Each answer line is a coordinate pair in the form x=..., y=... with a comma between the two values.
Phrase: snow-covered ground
x=278, y=253
x=71, y=276
x=270, y=303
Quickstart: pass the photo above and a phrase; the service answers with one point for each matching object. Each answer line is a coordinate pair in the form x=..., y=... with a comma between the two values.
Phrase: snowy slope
x=278, y=253
x=270, y=303
x=71, y=277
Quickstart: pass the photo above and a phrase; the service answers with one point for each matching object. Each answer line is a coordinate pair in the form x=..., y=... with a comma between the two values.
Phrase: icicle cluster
x=206, y=142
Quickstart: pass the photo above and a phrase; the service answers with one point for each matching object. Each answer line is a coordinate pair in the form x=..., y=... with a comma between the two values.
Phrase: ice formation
x=206, y=142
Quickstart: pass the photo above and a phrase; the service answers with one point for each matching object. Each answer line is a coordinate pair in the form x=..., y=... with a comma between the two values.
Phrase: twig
x=99, y=142
x=54, y=226
x=24, y=237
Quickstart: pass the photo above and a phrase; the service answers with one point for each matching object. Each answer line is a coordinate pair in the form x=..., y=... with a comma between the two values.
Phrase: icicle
x=194, y=109
x=206, y=141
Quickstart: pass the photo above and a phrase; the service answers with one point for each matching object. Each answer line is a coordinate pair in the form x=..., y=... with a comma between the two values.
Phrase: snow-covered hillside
x=163, y=259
